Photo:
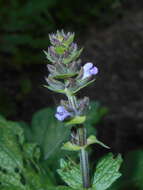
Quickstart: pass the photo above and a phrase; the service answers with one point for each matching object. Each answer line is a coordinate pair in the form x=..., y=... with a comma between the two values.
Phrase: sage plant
x=68, y=75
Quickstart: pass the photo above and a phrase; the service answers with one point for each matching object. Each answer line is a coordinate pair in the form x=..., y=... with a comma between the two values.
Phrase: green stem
x=82, y=140
x=84, y=162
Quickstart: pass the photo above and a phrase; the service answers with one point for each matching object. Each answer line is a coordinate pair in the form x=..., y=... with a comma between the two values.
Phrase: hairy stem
x=82, y=140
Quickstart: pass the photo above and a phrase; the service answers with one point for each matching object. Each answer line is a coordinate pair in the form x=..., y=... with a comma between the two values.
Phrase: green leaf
x=71, y=147
x=69, y=40
x=107, y=172
x=93, y=140
x=94, y=116
x=49, y=57
x=64, y=76
x=55, y=84
x=47, y=131
x=64, y=188
x=70, y=173
x=76, y=120
x=10, y=188
x=132, y=169
x=81, y=85
x=2, y=119
x=19, y=161
x=54, y=89
x=73, y=56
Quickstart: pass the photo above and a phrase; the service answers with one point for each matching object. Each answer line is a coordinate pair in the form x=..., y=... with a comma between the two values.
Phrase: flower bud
x=61, y=38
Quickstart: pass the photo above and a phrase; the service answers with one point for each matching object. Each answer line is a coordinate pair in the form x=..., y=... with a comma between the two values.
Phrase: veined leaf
x=107, y=172
x=70, y=173
x=19, y=168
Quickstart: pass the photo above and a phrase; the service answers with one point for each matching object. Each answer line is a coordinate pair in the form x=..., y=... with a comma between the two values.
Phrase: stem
x=84, y=162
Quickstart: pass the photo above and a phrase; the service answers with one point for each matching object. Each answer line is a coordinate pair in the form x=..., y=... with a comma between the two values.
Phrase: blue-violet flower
x=88, y=70
x=62, y=113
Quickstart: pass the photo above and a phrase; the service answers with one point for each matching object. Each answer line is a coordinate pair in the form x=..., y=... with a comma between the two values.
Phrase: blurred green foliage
x=20, y=168
x=25, y=25
x=46, y=132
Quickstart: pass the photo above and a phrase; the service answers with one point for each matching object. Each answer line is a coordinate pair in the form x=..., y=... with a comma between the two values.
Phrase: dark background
x=111, y=32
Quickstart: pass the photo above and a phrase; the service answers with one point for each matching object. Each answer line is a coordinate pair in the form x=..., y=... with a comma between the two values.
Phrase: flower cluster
x=67, y=75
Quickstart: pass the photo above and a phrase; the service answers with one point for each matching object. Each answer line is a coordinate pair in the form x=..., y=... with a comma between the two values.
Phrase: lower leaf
x=107, y=172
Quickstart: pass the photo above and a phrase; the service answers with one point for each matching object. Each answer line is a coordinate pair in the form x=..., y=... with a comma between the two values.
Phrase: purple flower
x=62, y=113
x=88, y=70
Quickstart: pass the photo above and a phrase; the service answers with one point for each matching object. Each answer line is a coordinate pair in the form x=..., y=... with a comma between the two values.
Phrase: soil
x=117, y=51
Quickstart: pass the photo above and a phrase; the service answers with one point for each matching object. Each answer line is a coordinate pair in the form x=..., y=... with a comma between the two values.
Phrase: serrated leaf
x=70, y=173
x=107, y=172
x=19, y=169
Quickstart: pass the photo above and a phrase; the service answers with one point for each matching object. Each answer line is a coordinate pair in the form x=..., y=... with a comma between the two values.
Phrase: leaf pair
x=105, y=174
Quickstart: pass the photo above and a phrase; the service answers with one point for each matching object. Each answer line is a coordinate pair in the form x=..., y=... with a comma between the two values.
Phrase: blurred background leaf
x=47, y=131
